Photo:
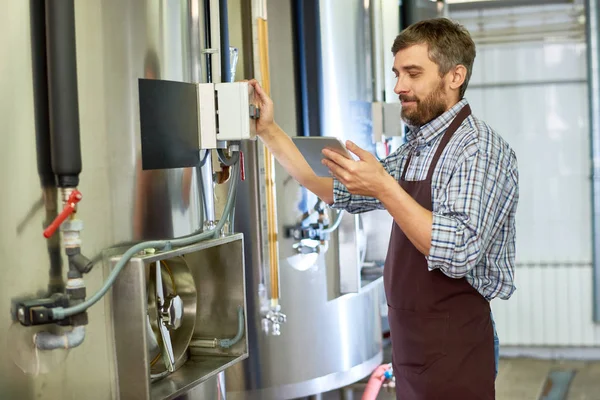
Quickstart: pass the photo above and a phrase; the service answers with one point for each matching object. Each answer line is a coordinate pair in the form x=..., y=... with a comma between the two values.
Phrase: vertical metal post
x=377, y=51
x=208, y=29
x=347, y=394
x=594, y=118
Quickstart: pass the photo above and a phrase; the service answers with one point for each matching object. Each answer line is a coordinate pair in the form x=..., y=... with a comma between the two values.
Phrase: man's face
x=423, y=93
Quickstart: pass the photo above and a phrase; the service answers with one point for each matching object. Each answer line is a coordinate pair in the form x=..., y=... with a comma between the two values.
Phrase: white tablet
x=312, y=147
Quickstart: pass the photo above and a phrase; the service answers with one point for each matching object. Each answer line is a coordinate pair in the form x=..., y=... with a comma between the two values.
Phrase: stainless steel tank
x=330, y=339
x=117, y=43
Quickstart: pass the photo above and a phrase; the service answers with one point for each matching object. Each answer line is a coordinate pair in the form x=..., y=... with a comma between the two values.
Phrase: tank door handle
x=169, y=315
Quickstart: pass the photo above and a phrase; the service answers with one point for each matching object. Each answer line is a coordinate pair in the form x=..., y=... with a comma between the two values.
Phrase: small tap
x=273, y=319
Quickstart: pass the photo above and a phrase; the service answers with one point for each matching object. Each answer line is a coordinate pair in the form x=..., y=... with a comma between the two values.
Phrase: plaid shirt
x=475, y=194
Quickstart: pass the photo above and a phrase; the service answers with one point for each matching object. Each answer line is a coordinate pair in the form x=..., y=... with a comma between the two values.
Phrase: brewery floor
x=526, y=379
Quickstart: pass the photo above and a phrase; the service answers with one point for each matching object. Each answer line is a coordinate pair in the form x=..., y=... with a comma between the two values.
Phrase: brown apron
x=441, y=330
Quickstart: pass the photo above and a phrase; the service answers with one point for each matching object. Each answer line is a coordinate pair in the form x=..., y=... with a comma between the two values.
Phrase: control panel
x=177, y=119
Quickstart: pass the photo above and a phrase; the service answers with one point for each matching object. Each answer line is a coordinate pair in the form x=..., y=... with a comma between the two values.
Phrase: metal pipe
x=227, y=343
x=199, y=40
x=378, y=64
x=592, y=25
x=208, y=189
x=336, y=223
x=346, y=393
x=213, y=21
x=205, y=343
x=60, y=313
x=221, y=386
x=51, y=341
x=196, y=41
x=223, y=343
x=215, y=40
x=210, y=25
x=64, y=105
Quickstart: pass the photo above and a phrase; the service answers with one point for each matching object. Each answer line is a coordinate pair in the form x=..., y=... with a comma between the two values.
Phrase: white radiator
x=534, y=94
x=551, y=307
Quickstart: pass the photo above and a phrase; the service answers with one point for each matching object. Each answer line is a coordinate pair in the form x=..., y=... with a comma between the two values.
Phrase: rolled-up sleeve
x=344, y=200
x=475, y=203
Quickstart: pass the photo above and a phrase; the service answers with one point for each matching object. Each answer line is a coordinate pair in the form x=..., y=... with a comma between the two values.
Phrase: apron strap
x=403, y=178
x=453, y=127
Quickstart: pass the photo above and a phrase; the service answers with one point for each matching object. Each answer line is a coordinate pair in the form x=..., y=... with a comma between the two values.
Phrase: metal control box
x=236, y=111
x=177, y=119
x=207, y=116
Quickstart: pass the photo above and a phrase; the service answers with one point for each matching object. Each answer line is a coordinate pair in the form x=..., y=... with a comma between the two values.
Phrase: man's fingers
x=361, y=153
x=338, y=158
x=336, y=170
x=259, y=90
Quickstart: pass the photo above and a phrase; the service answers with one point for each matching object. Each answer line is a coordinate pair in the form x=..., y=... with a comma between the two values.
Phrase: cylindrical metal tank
x=117, y=43
x=329, y=340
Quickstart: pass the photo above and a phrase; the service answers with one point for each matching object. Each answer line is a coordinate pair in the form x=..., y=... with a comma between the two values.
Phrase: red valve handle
x=73, y=199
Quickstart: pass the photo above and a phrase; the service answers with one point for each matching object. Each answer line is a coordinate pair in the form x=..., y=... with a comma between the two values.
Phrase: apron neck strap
x=454, y=125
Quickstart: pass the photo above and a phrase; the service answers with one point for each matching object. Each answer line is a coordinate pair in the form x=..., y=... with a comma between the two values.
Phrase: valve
x=39, y=311
x=300, y=232
x=69, y=209
x=274, y=318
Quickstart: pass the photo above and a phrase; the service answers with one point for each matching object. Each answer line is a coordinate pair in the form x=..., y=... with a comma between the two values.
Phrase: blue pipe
x=224, y=33
x=67, y=340
x=227, y=343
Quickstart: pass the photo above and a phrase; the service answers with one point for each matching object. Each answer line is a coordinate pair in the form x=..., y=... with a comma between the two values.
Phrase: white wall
x=535, y=95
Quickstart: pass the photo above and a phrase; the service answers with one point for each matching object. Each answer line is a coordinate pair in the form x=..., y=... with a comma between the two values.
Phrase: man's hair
x=449, y=44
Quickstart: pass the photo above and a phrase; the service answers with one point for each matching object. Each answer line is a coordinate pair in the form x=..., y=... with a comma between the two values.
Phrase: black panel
x=169, y=124
x=413, y=11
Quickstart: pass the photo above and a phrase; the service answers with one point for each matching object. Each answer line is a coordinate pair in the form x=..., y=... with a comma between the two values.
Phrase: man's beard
x=425, y=110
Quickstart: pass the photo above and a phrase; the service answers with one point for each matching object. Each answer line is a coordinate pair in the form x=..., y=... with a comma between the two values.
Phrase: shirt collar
x=435, y=127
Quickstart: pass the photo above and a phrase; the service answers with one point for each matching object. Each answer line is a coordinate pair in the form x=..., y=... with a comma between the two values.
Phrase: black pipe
x=309, y=78
x=40, y=93
x=207, y=41
x=62, y=77
x=224, y=33
x=39, y=72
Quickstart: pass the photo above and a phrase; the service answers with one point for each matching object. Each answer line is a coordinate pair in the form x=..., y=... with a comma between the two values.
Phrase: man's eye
x=414, y=74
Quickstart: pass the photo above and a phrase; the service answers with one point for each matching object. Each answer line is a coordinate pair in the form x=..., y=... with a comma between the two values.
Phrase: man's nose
x=401, y=87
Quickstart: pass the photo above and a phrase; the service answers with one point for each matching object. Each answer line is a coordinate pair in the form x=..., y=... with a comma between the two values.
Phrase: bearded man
x=452, y=190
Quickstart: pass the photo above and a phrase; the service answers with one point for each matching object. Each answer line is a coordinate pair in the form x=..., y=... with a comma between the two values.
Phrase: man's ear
x=457, y=76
